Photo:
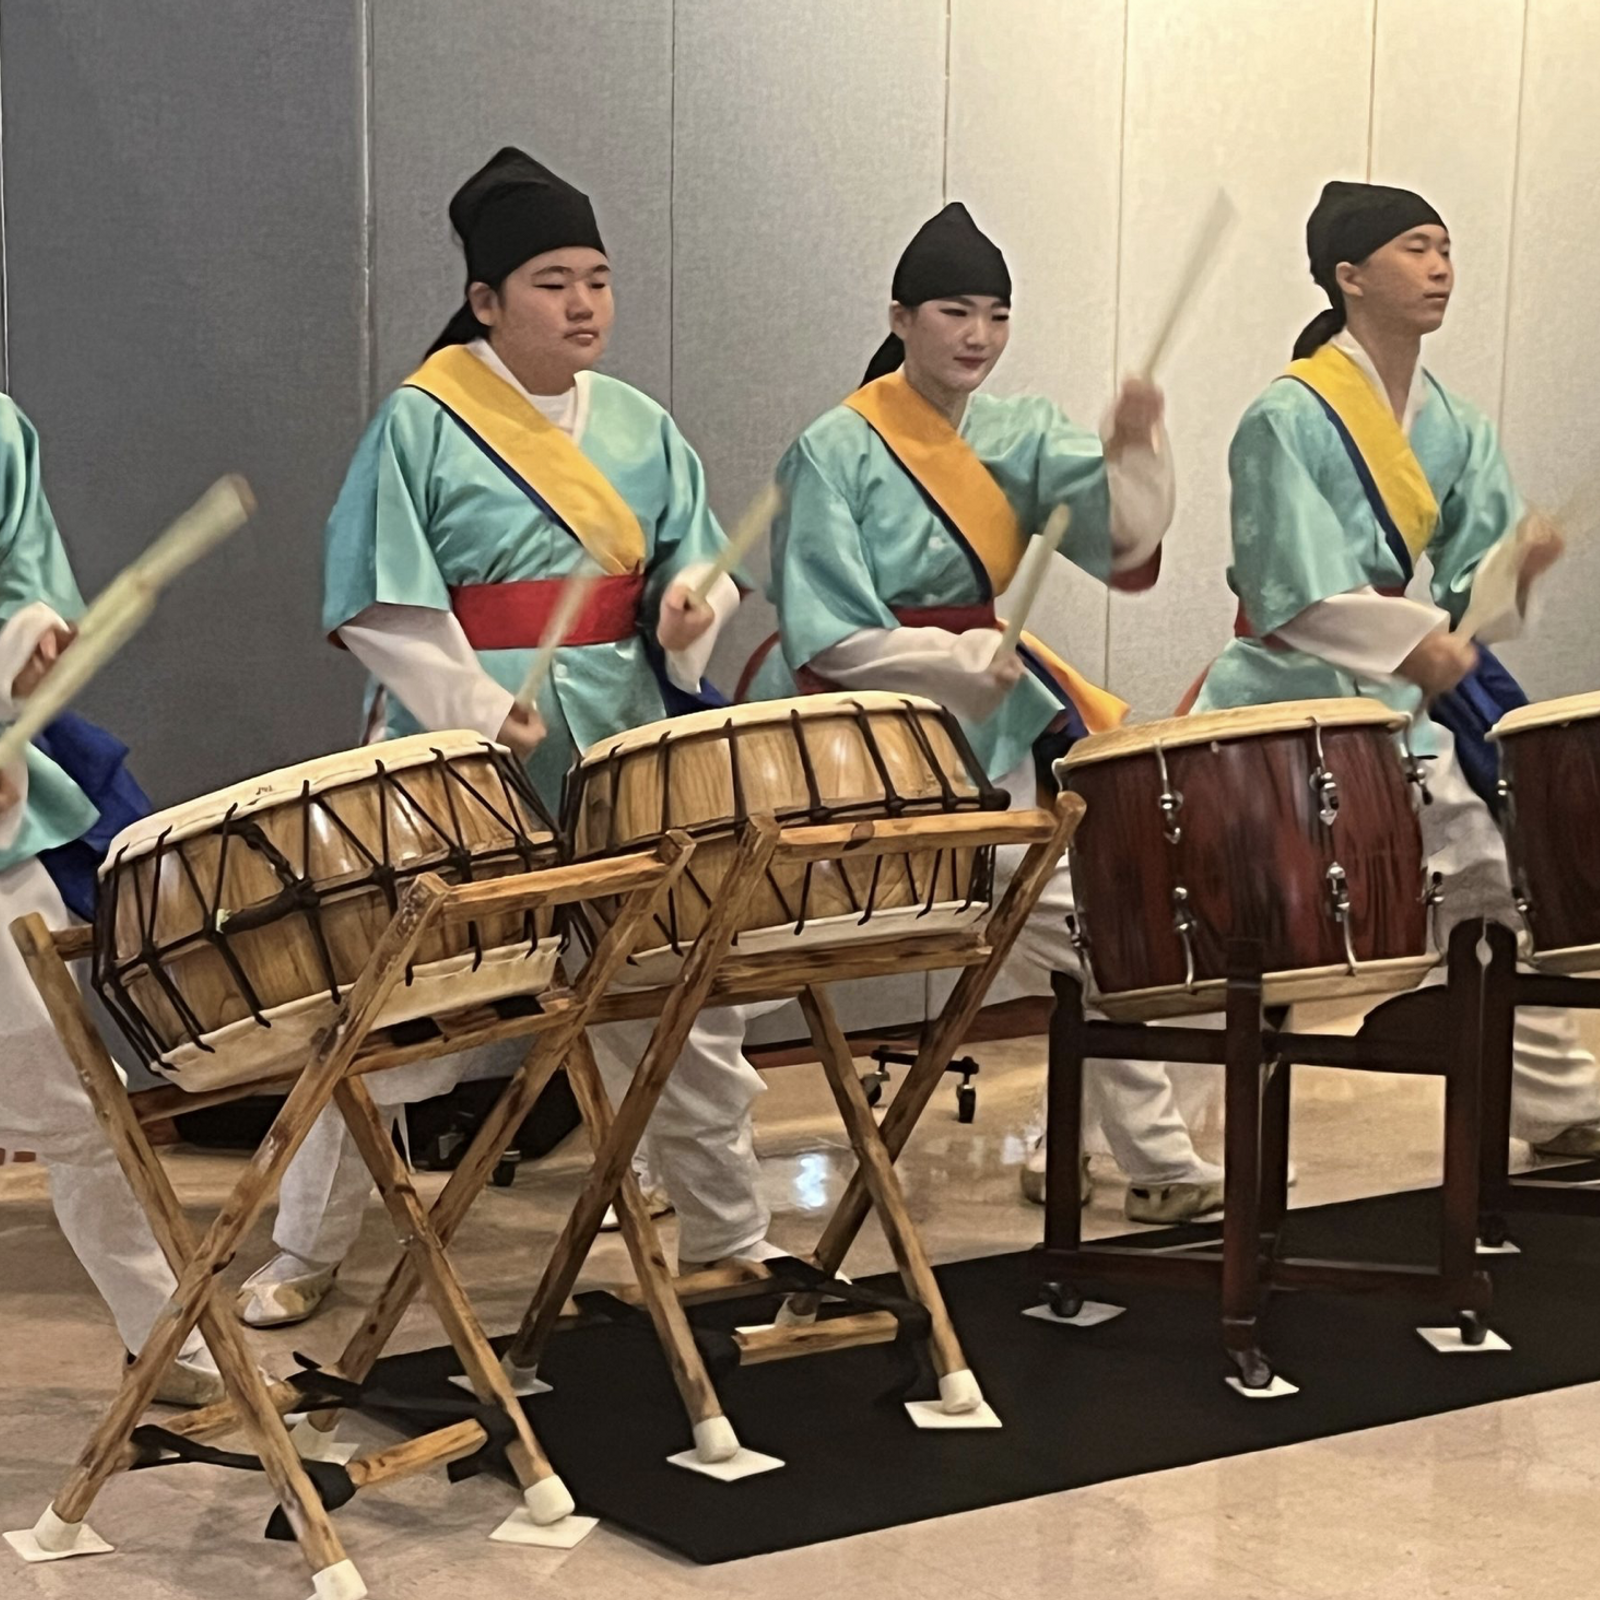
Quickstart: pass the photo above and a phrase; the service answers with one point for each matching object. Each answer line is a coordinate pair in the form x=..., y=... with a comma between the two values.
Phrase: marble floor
x=1495, y=1501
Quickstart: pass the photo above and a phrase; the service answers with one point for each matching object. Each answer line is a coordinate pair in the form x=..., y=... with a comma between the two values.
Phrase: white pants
x=1554, y=1082
x=700, y=1144
x=44, y=1108
x=1133, y=1101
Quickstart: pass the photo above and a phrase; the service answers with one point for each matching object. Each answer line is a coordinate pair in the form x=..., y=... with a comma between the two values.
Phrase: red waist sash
x=515, y=616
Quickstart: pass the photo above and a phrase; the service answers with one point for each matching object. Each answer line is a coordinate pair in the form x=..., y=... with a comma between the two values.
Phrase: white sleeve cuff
x=687, y=668
x=952, y=668
x=1144, y=495
x=1363, y=632
x=19, y=638
x=423, y=659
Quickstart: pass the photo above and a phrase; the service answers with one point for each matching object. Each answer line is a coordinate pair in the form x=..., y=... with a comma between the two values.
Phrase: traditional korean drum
x=1550, y=815
x=228, y=928
x=1288, y=824
x=821, y=758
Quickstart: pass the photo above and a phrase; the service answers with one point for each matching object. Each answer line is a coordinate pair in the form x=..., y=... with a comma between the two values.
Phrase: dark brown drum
x=1550, y=815
x=1290, y=824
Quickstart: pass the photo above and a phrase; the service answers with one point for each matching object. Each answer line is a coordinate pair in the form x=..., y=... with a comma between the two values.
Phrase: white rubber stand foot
x=51, y=1539
x=1448, y=1342
x=746, y=1464
x=1506, y=1249
x=932, y=1414
x=312, y=1444
x=549, y=1500
x=341, y=1581
x=563, y=1534
x=959, y=1393
x=1278, y=1389
x=715, y=1440
x=1090, y=1314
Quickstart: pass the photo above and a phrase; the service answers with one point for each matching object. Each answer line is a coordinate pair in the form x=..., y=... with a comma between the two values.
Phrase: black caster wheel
x=872, y=1082
x=966, y=1103
x=1492, y=1230
x=1255, y=1372
x=1063, y=1300
x=1474, y=1330
x=505, y=1169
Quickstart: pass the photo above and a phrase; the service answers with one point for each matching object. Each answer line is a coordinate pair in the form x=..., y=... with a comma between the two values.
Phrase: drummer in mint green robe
x=1351, y=466
x=907, y=510
x=498, y=470
x=43, y=813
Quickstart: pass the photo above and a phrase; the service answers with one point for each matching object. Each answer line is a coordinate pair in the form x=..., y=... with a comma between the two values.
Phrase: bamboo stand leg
x=955, y=1020
x=958, y=1388
x=756, y=844
x=471, y=1176
x=713, y=1433
x=544, y=1494
x=197, y=1264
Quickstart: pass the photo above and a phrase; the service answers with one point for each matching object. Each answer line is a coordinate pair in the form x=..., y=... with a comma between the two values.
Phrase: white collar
x=1417, y=396
x=569, y=411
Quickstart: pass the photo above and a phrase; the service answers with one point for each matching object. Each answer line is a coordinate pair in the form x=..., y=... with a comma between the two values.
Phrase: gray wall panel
x=182, y=188
x=586, y=88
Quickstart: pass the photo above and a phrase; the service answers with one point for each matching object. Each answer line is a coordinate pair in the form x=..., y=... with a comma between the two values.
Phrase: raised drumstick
x=124, y=605
x=1032, y=576
x=1204, y=252
x=758, y=517
x=562, y=621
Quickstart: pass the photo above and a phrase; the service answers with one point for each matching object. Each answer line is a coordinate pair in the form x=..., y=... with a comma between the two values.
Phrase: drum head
x=755, y=714
x=289, y=783
x=1238, y=722
x=1548, y=714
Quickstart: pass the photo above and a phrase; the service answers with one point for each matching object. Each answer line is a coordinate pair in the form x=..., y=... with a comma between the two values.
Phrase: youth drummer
x=1348, y=468
x=907, y=510
x=45, y=819
x=503, y=466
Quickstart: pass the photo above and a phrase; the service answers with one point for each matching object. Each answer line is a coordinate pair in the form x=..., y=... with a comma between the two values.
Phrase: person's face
x=954, y=342
x=552, y=315
x=1406, y=283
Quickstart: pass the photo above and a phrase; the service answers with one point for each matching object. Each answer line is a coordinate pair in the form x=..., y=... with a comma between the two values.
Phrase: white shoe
x=655, y=1198
x=191, y=1381
x=753, y=1256
x=1031, y=1175
x=288, y=1289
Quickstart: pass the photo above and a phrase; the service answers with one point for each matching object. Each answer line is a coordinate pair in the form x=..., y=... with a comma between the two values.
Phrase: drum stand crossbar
x=1432, y=1031
x=332, y=1074
x=1506, y=989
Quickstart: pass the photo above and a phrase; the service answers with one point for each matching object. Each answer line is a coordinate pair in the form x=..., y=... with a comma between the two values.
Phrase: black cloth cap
x=512, y=209
x=948, y=255
x=1350, y=221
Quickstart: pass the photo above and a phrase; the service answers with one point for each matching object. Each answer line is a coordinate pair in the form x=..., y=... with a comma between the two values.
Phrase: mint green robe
x=424, y=509
x=1303, y=531
x=34, y=566
x=856, y=537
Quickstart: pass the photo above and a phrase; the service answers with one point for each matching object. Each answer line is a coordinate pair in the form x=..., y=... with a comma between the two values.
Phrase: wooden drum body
x=1292, y=825
x=822, y=758
x=229, y=928
x=1550, y=815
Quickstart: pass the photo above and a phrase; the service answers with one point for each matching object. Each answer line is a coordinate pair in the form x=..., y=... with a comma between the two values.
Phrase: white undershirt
x=953, y=668
x=422, y=656
x=1370, y=634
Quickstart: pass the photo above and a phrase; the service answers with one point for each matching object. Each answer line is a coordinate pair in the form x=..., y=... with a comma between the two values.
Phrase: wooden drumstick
x=758, y=517
x=126, y=603
x=1203, y=255
x=1031, y=578
x=563, y=619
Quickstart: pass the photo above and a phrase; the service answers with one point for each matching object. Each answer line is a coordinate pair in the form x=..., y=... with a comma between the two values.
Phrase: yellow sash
x=538, y=452
x=948, y=468
x=1377, y=433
